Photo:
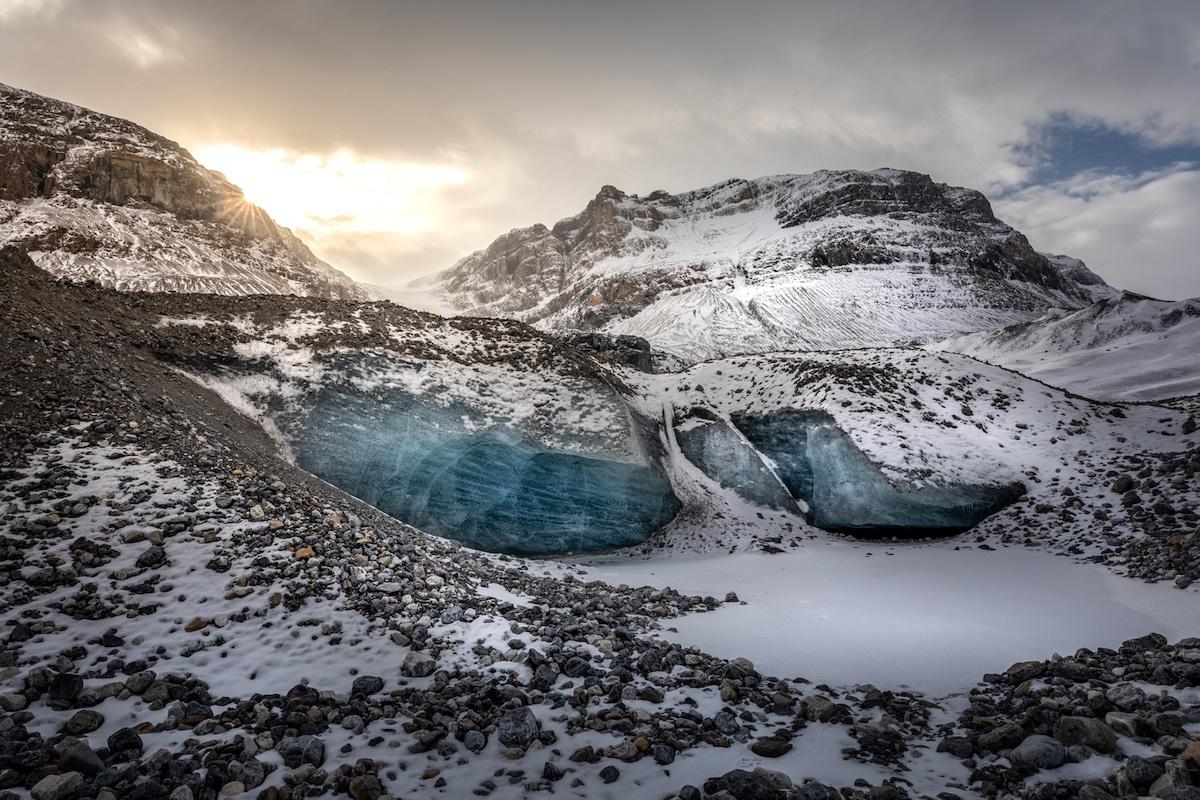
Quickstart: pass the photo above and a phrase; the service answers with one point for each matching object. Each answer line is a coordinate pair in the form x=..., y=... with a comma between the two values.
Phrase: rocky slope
x=1124, y=347
x=827, y=260
x=93, y=197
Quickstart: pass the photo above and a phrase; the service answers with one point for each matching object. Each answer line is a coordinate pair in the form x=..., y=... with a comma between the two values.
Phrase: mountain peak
x=777, y=262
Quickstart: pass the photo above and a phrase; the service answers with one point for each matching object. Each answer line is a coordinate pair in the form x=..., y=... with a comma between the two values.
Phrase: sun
x=337, y=193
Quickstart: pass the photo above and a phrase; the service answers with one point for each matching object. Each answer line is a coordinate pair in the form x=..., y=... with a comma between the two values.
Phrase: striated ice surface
x=493, y=488
x=845, y=491
x=724, y=455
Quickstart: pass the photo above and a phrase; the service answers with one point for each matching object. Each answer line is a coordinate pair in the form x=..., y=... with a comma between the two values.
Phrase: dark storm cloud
x=542, y=102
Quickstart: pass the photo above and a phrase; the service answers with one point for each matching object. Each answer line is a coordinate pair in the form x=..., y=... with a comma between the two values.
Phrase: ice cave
x=834, y=482
x=493, y=489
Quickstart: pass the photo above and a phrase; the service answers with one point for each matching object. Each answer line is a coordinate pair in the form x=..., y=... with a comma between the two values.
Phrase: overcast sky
x=397, y=137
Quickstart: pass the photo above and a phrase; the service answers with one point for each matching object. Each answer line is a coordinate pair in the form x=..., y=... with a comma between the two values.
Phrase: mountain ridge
x=774, y=263
x=95, y=197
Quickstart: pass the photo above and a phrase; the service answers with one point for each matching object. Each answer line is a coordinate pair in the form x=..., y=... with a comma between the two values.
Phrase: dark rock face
x=630, y=351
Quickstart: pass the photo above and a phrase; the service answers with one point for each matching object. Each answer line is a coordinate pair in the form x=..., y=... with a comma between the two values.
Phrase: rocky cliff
x=93, y=197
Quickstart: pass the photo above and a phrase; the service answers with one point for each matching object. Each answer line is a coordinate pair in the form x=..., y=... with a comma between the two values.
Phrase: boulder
x=518, y=727
x=1038, y=752
x=1086, y=731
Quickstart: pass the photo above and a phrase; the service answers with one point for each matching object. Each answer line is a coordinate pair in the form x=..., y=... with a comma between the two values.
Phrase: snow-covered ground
x=933, y=617
x=1122, y=348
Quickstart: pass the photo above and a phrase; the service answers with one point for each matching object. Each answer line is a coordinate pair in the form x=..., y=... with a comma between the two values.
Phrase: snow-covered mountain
x=93, y=197
x=1125, y=347
x=827, y=260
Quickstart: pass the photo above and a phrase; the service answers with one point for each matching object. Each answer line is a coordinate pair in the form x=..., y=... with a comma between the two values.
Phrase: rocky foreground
x=186, y=615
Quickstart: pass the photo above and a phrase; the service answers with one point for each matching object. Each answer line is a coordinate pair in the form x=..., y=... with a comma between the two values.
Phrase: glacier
x=723, y=453
x=845, y=492
x=495, y=488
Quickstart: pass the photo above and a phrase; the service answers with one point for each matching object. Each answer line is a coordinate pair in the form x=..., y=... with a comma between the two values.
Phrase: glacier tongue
x=846, y=492
x=492, y=489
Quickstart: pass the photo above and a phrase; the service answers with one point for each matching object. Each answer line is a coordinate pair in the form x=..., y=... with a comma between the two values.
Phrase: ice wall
x=845, y=491
x=493, y=488
x=723, y=454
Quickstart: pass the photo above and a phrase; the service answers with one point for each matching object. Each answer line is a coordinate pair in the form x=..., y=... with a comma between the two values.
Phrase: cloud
x=143, y=47
x=548, y=101
x=1138, y=231
x=12, y=10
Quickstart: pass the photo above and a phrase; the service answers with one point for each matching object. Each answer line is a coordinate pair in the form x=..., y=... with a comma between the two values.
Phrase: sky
x=398, y=137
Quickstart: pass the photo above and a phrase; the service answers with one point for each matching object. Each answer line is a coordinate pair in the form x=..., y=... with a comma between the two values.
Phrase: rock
x=232, y=789
x=1126, y=696
x=125, y=740
x=1038, y=752
x=303, y=553
x=302, y=750
x=1025, y=670
x=197, y=624
x=1142, y=644
x=152, y=557
x=1173, y=782
x=957, y=746
x=418, y=664
x=1140, y=772
x=366, y=685
x=84, y=721
x=1124, y=483
x=366, y=787
x=816, y=791
x=1123, y=723
x=1191, y=755
x=770, y=747
x=1086, y=731
x=65, y=688
x=761, y=784
x=57, y=787
x=13, y=701
x=79, y=757
x=610, y=774
x=1004, y=737
x=823, y=709
x=475, y=740
x=518, y=727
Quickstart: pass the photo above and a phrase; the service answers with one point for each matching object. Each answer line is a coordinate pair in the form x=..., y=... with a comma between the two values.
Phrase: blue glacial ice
x=845, y=491
x=494, y=489
x=718, y=449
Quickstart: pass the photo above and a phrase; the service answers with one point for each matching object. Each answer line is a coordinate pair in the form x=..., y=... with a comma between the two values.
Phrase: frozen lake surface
x=924, y=616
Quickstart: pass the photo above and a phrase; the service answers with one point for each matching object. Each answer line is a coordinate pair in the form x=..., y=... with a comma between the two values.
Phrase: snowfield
x=1126, y=347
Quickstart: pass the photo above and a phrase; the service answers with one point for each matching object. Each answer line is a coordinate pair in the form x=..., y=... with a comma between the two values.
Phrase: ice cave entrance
x=841, y=488
x=492, y=489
